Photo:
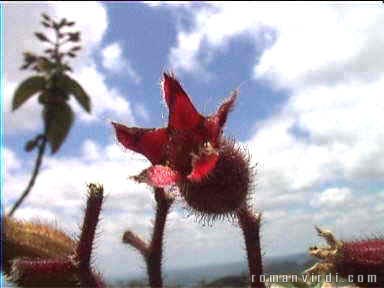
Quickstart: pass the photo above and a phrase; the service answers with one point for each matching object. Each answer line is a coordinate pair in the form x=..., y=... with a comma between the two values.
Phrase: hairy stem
x=154, y=257
x=250, y=224
x=85, y=245
x=137, y=242
x=153, y=251
x=36, y=170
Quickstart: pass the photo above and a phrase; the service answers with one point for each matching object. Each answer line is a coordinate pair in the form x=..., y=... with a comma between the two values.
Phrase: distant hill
x=226, y=275
x=292, y=264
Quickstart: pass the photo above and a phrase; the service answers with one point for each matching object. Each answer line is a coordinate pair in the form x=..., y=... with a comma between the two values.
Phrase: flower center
x=181, y=148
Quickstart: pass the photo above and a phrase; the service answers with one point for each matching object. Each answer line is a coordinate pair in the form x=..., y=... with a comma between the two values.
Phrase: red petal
x=214, y=124
x=182, y=113
x=149, y=142
x=161, y=176
x=202, y=166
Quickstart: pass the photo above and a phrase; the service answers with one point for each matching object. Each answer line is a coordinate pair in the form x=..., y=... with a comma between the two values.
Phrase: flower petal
x=214, y=123
x=182, y=113
x=158, y=176
x=149, y=142
x=202, y=166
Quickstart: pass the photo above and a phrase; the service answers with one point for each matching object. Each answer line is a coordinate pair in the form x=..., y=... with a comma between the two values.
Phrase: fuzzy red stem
x=135, y=241
x=250, y=224
x=84, y=248
x=90, y=279
x=154, y=257
x=91, y=218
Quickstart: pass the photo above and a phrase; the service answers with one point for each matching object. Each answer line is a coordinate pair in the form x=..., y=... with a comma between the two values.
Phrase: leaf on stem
x=46, y=17
x=41, y=37
x=45, y=24
x=58, y=120
x=73, y=87
x=26, y=89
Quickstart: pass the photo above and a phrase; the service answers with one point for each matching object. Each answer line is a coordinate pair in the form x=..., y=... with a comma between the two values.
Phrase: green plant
x=53, y=86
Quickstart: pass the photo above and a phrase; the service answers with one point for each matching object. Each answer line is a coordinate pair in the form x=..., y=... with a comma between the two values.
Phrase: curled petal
x=182, y=114
x=158, y=176
x=149, y=142
x=202, y=166
x=214, y=123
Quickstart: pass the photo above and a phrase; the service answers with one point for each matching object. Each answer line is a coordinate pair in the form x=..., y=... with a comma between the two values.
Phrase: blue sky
x=309, y=112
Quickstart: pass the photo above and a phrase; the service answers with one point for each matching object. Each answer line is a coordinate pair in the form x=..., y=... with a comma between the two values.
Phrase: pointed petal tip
x=230, y=101
x=119, y=128
x=114, y=124
x=182, y=113
x=214, y=124
x=169, y=78
x=169, y=74
x=234, y=94
x=226, y=107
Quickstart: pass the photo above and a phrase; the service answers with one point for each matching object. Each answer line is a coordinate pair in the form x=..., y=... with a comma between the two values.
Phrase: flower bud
x=226, y=188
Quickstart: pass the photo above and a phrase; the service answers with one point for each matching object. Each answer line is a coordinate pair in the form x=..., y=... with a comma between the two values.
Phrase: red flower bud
x=359, y=261
x=226, y=187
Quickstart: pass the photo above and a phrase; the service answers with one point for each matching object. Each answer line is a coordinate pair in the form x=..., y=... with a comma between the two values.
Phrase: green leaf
x=76, y=48
x=74, y=88
x=27, y=88
x=58, y=120
x=45, y=24
x=62, y=22
x=46, y=17
x=41, y=37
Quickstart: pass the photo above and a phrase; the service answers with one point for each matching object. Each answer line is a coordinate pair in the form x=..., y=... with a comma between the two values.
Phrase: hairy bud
x=226, y=188
x=361, y=261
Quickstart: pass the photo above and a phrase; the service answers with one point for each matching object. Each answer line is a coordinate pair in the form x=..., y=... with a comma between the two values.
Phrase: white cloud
x=107, y=102
x=184, y=56
x=91, y=150
x=112, y=57
x=342, y=142
x=26, y=118
x=11, y=161
x=36, y=214
x=321, y=43
x=114, y=61
x=332, y=197
x=325, y=44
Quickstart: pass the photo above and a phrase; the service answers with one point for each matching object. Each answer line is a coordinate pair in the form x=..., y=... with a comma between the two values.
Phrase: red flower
x=191, y=153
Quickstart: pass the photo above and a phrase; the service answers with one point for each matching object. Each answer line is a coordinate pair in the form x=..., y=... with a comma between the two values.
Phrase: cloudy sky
x=310, y=112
